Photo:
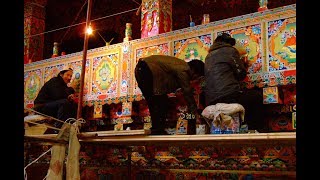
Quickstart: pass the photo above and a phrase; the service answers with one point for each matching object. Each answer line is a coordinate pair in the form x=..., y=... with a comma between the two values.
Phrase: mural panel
x=265, y=79
x=268, y=37
x=193, y=48
x=152, y=50
x=104, y=76
x=282, y=44
x=32, y=85
x=125, y=71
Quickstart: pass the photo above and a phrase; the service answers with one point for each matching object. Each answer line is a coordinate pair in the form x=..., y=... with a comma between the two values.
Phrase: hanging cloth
x=73, y=171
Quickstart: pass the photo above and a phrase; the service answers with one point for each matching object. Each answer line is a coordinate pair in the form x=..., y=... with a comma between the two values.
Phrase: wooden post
x=84, y=58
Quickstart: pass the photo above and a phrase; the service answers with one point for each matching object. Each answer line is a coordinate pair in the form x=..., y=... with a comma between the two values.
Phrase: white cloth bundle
x=34, y=117
x=222, y=110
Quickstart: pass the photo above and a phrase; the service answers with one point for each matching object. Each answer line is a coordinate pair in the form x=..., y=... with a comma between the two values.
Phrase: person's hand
x=73, y=97
x=245, y=61
x=178, y=92
x=242, y=50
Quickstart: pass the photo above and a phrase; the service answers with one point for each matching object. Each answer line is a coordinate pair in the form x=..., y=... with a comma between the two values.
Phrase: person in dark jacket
x=224, y=72
x=159, y=75
x=56, y=98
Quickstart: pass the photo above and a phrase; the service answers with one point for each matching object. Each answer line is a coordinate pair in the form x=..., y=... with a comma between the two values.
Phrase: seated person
x=56, y=98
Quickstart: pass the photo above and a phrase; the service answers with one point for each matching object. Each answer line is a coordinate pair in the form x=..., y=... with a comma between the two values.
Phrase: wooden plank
x=113, y=133
x=48, y=139
x=88, y=135
x=207, y=139
x=139, y=137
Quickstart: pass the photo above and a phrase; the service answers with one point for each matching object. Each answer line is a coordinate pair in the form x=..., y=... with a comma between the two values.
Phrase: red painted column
x=34, y=24
x=156, y=17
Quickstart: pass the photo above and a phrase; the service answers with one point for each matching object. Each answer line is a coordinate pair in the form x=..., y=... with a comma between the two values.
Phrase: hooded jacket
x=224, y=70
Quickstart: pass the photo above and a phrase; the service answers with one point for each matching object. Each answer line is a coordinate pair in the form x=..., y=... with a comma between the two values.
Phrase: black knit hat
x=65, y=70
x=225, y=37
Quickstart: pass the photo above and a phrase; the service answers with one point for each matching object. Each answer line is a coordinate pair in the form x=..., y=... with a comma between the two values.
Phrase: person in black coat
x=56, y=98
x=224, y=73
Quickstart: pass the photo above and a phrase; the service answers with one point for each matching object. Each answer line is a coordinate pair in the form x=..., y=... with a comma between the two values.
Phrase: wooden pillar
x=34, y=23
x=156, y=17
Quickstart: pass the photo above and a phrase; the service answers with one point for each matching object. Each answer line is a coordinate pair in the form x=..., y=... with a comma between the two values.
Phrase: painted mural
x=152, y=50
x=270, y=95
x=32, y=85
x=282, y=44
x=193, y=48
x=104, y=76
x=125, y=70
x=273, y=30
x=270, y=79
x=149, y=16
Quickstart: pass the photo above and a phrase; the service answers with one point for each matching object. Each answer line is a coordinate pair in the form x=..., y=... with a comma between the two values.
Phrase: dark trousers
x=252, y=101
x=157, y=104
x=61, y=109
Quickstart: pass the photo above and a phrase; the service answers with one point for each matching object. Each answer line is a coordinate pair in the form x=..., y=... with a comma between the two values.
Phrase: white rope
x=45, y=176
x=81, y=23
x=76, y=122
x=25, y=172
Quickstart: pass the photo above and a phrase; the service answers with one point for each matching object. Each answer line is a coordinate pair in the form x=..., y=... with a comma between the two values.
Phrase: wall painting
x=193, y=48
x=282, y=44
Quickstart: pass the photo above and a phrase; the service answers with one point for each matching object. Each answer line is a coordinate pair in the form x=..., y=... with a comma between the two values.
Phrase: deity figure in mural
x=105, y=76
x=104, y=72
x=289, y=49
x=123, y=85
x=192, y=53
x=32, y=84
x=150, y=21
x=75, y=82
